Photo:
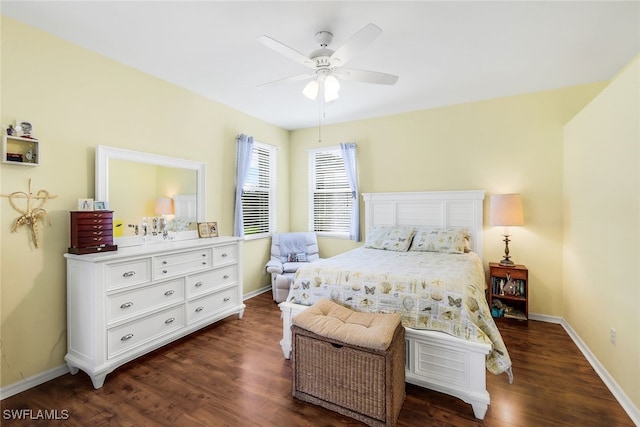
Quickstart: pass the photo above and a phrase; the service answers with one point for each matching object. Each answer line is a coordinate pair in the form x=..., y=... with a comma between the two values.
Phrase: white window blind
x=330, y=197
x=258, y=196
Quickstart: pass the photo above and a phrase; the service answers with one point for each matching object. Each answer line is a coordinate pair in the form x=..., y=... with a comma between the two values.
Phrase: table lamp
x=506, y=211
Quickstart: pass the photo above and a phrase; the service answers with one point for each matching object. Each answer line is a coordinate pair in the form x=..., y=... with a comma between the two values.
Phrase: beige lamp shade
x=163, y=206
x=506, y=210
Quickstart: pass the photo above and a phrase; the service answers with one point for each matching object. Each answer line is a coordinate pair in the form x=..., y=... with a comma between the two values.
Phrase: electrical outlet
x=613, y=336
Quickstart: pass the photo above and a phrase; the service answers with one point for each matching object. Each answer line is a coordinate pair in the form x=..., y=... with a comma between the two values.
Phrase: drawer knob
x=204, y=262
x=226, y=276
x=226, y=299
x=126, y=337
x=170, y=320
x=169, y=293
x=199, y=309
x=126, y=305
x=129, y=274
x=164, y=262
x=224, y=255
x=164, y=271
x=199, y=284
x=204, y=255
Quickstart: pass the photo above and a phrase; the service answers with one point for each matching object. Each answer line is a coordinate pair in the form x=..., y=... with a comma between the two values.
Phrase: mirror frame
x=105, y=153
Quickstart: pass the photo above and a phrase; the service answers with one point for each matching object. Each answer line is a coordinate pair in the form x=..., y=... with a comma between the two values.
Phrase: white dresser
x=123, y=304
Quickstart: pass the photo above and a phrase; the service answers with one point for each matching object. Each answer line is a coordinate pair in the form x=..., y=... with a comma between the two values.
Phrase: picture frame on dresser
x=213, y=229
x=85, y=204
x=203, y=229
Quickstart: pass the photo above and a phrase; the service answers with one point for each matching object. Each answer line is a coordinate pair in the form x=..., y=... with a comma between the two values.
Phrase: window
x=330, y=197
x=258, y=192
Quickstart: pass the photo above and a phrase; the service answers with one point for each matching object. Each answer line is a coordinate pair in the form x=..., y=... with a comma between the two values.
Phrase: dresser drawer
x=95, y=240
x=128, y=273
x=225, y=254
x=202, y=283
x=133, y=303
x=103, y=225
x=211, y=304
x=182, y=263
x=139, y=332
x=86, y=216
x=171, y=260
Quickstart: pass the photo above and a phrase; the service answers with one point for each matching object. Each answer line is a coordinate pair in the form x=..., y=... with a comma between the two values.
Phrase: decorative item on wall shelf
x=30, y=215
x=85, y=204
x=24, y=129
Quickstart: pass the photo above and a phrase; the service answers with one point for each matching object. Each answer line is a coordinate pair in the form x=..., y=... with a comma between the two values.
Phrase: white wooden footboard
x=434, y=360
x=449, y=365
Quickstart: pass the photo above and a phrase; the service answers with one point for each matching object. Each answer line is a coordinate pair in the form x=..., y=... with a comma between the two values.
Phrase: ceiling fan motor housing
x=324, y=38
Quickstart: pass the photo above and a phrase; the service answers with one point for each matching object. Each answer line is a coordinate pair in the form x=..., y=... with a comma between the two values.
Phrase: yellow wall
x=602, y=227
x=78, y=100
x=503, y=145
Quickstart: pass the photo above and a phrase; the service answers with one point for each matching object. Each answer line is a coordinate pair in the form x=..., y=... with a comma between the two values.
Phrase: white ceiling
x=446, y=52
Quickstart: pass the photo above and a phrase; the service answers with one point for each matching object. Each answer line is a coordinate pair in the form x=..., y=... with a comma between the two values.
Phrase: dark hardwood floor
x=233, y=374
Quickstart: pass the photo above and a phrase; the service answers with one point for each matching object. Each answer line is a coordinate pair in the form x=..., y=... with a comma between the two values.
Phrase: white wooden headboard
x=459, y=209
x=185, y=206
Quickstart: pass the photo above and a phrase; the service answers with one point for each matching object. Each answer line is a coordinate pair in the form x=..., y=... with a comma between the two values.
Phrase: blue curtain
x=243, y=155
x=349, y=159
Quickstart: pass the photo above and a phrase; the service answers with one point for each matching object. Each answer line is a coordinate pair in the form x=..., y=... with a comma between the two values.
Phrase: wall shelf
x=20, y=151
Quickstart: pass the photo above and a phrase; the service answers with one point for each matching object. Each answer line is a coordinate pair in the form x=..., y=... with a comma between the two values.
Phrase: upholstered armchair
x=289, y=251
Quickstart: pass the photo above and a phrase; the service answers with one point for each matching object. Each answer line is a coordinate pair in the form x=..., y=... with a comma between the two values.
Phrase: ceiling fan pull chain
x=320, y=114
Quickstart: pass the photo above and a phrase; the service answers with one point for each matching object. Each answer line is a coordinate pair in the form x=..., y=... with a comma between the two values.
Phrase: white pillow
x=390, y=238
x=451, y=240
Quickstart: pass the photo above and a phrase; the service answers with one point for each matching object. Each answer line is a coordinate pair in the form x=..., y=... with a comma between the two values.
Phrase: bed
x=451, y=339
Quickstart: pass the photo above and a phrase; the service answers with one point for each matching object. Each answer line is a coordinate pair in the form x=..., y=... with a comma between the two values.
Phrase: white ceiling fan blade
x=367, y=76
x=286, y=51
x=356, y=43
x=299, y=77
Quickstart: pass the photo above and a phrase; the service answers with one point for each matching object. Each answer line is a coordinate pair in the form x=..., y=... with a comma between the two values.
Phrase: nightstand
x=514, y=294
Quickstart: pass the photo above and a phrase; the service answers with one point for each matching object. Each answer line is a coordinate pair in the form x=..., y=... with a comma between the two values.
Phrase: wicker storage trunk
x=362, y=383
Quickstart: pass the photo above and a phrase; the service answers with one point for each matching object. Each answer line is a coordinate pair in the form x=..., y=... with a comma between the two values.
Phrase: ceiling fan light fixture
x=331, y=88
x=311, y=89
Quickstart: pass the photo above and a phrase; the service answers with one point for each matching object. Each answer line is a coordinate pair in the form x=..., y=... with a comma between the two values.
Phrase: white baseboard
x=33, y=381
x=257, y=292
x=612, y=385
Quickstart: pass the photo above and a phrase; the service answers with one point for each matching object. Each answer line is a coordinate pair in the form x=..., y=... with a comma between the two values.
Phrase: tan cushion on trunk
x=331, y=320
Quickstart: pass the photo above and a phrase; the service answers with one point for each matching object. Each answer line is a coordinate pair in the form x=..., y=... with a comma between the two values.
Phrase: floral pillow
x=297, y=257
x=452, y=241
x=390, y=238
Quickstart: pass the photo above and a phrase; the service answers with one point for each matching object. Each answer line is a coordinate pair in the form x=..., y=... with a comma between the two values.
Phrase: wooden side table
x=510, y=285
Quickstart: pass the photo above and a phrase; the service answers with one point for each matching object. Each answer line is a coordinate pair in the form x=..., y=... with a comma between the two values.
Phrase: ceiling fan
x=326, y=63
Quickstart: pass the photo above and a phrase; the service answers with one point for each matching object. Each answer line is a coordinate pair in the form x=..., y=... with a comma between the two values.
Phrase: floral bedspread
x=430, y=290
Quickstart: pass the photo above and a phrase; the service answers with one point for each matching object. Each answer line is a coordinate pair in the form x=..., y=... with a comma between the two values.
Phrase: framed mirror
x=145, y=189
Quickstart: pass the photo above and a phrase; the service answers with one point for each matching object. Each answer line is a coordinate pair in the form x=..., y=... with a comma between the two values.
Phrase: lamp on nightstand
x=506, y=210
